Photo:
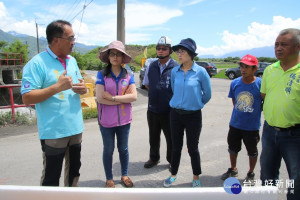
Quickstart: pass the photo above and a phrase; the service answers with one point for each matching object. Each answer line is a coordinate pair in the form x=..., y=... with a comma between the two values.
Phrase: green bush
x=89, y=113
x=26, y=119
x=20, y=118
x=5, y=118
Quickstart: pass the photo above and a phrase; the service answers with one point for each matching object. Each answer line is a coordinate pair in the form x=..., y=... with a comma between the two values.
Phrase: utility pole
x=37, y=37
x=121, y=21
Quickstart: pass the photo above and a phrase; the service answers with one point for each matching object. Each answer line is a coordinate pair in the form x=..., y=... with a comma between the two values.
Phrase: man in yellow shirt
x=280, y=89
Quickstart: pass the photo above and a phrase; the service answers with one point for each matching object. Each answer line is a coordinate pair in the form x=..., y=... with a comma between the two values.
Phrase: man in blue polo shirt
x=53, y=82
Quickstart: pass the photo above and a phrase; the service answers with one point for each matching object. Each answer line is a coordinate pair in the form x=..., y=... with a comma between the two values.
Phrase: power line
x=84, y=7
x=71, y=10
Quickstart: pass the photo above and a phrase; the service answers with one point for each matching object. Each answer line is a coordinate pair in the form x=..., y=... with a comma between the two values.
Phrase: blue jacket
x=160, y=91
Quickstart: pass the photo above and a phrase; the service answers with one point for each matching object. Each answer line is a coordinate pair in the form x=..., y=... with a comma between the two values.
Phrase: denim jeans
x=108, y=137
x=275, y=146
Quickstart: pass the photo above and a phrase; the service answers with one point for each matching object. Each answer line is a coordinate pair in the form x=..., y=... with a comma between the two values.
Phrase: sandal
x=127, y=181
x=110, y=184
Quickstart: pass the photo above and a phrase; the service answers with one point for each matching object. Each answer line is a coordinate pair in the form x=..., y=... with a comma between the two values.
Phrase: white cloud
x=2, y=10
x=8, y=23
x=102, y=29
x=189, y=3
x=137, y=16
x=258, y=35
x=99, y=25
x=97, y=28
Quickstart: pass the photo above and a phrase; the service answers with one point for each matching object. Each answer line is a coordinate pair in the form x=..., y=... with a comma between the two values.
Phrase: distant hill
x=134, y=50
x=258, y=52
x=32, y=42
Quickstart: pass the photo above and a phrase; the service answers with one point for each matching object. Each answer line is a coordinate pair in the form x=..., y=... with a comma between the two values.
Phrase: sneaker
x=250, y=178
x=150, y=164
x=196, y=183
x=230, y=173
x=168, y=182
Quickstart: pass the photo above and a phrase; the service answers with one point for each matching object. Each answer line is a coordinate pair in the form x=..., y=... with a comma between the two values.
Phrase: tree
x=17, y=47
x=3, y=44
x=196, y=58
x=267, y=59
x=81, y=61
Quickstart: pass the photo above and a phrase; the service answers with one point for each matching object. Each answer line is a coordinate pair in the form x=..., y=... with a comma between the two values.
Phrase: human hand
x=129, y=90
x=79, y=88
x=107, y=95
x=64, y=82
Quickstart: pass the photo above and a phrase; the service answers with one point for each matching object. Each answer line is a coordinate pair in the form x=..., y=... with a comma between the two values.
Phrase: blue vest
x=160, y=91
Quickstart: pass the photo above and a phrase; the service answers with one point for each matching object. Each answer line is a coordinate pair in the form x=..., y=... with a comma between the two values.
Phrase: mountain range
x=31, y=41
x=267, y=51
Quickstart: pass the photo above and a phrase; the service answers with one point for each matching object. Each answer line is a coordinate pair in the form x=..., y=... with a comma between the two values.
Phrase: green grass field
x=223, y=66
x=221, y=74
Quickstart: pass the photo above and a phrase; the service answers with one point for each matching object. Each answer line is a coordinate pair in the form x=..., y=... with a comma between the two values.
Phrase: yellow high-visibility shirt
x=282, y=100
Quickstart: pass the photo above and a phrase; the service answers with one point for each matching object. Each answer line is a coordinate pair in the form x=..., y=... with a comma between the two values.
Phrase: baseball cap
x=249, y=60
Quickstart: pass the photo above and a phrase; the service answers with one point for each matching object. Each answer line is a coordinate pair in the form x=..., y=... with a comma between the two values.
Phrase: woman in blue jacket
x=191, y=91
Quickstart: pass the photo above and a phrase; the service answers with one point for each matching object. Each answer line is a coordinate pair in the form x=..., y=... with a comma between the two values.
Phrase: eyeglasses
x=180, y=52
x=118, y=54
x=71, y=38
x=162, y=48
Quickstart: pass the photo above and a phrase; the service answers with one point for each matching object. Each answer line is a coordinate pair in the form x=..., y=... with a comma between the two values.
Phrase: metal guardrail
x=12, y=104
x=87, y=100
x=10, y=59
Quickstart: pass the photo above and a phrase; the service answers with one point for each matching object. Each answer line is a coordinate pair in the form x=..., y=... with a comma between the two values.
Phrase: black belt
x=185, y=112
x=286, y=129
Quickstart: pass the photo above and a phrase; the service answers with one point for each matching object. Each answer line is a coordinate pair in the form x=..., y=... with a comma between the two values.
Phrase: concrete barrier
x=11, y=192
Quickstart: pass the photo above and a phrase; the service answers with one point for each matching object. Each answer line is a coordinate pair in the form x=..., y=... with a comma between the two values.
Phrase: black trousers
x=192, y=125
x=54, y=152
x=156, y=123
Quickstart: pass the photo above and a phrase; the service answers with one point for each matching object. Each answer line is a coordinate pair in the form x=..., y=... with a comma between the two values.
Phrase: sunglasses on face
x=161, y=48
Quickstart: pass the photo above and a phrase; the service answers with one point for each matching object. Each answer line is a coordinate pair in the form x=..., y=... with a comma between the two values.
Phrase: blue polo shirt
x=60, y=115
x=191, y=90
x=100, y=78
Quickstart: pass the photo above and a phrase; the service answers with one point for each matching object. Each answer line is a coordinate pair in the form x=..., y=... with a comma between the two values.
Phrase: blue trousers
x=108, y=138
x=278, y=145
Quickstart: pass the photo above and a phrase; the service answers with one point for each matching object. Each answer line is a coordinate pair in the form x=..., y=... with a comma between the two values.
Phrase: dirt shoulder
x=12, y=130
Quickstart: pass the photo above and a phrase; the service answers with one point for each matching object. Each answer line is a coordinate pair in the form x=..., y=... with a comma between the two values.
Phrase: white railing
x=8, y=192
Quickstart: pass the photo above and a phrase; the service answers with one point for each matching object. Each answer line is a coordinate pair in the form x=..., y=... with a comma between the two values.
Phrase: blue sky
x=217, y=26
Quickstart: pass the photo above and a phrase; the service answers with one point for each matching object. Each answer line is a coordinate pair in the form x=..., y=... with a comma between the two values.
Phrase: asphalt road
x=21, y=161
